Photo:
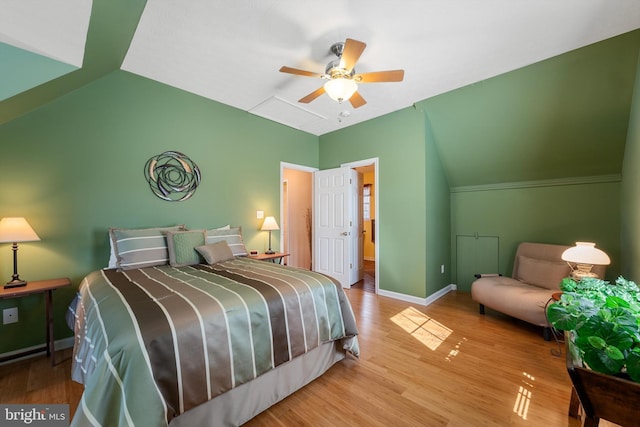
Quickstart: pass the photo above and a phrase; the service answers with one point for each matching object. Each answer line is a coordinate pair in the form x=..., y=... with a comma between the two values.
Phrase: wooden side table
x=40, y=286
x=270, y=257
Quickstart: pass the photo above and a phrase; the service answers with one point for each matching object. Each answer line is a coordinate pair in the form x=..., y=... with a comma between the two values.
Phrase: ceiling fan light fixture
x=340, y=89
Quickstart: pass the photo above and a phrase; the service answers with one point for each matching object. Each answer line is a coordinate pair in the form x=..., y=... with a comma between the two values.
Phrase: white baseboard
x=59, y=344
x=417, y=300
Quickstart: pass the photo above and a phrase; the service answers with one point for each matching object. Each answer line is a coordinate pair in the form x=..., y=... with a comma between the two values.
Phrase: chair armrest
x=481, y=275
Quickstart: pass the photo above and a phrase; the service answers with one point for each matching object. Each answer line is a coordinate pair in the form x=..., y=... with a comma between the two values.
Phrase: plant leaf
x=568, y=285
x=615, y=301
x=614, y=353
x=598, y=360
x=633, y=364
x=561, y=318
x=597, y=342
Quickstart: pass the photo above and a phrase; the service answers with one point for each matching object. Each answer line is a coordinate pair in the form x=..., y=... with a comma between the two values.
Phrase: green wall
x=398, y=140
x=438, y=219
x=630, y=197
x=536, y=154
x=563, y=117
x=109, y=35
x=560, y=214
x=74, y=168
x=22, y=70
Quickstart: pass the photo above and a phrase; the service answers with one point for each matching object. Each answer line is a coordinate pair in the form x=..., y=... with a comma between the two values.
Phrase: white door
x=333, y=189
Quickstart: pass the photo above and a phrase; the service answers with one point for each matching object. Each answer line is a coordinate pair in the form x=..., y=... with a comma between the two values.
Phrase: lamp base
x=15, y=284
x=269, y=252
x=583, y=271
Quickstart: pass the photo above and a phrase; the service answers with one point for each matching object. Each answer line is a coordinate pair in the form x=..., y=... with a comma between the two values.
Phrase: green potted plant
x=604, y=324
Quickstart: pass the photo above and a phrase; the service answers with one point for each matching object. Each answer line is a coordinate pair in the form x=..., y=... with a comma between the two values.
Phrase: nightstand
x=39, y=286
x=270, y=257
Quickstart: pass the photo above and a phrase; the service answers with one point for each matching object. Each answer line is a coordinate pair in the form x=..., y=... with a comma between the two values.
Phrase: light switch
x=259, y=214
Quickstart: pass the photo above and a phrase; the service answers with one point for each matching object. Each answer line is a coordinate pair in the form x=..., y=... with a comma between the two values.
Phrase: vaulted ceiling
x=231, y=52
x=512, y=91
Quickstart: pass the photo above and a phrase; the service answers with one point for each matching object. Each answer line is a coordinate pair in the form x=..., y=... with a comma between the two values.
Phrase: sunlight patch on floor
x=455, y=350
x=428, y=331
x=523, y=399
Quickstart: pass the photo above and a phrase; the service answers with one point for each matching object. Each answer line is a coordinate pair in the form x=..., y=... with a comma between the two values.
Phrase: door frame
x=376, y=179
x=365, y=162
x=303, y=168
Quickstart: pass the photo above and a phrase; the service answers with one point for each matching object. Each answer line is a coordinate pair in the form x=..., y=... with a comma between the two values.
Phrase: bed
x=207, y=343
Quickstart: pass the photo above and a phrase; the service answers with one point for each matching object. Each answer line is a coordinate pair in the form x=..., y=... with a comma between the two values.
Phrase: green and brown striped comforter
x=154, y=342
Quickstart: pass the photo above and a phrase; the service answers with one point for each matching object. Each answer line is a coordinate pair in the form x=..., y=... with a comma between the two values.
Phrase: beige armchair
x=537, y=272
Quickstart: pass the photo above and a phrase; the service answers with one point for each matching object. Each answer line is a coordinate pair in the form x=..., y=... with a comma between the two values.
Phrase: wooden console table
x=41, y=286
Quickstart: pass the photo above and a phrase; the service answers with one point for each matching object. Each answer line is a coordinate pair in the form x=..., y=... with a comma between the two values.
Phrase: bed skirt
x=240, y=404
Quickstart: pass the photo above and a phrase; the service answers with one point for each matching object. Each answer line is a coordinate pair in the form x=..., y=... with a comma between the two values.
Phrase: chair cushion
x=514, y=298
x=542, y=273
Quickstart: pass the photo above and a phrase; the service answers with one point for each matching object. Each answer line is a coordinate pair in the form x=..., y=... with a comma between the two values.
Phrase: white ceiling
x=55, y=29
x=231, y=51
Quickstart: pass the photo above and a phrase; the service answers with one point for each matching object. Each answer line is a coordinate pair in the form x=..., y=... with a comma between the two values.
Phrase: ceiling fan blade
x=357, y=100
x=313, y=95
x=380, y=76
x=351, y=53
x=299, y=72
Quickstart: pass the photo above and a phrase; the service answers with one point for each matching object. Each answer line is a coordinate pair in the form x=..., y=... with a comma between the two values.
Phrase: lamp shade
x=340, y=89
x=16, y=229
x=270, y=224
x=586, y=253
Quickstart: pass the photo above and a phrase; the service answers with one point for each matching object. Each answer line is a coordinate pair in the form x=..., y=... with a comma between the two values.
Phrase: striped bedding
x=152, y=343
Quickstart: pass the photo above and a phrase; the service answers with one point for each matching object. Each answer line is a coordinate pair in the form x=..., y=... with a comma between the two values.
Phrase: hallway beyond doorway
x=368, y=283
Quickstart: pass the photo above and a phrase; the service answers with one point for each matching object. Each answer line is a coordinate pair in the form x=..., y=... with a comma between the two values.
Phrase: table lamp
x=270, y=224
x=584, y=255
x=14, y=230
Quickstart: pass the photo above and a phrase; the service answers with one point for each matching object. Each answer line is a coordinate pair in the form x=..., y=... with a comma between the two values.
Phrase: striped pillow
x=233, y=237
x=139, y=248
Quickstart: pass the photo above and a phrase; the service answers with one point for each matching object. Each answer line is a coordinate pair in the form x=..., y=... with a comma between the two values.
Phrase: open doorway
x=371, y=251
x=296, y=207
x=367, y=219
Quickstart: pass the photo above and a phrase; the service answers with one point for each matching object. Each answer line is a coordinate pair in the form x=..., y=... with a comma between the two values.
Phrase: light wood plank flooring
x=441, y=365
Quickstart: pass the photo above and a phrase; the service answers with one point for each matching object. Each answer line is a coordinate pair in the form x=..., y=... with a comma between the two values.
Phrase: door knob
x=344, y=233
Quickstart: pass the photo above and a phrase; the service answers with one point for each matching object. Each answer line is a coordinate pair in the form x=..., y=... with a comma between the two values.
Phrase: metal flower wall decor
x=172, y=176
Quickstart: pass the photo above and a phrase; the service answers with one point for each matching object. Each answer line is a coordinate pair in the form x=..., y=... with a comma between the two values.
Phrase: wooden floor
x=441, y=365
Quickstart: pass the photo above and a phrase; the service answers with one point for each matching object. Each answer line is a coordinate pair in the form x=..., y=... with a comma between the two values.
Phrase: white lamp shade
x=270, y=224
x=340, y=89
x=586, y=253
x=16, y=229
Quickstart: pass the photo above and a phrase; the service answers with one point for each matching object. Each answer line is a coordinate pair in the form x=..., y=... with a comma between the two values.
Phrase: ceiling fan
x=342, y=80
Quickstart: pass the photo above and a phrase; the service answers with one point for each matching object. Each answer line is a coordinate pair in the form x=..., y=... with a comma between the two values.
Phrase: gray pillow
x=216, y=252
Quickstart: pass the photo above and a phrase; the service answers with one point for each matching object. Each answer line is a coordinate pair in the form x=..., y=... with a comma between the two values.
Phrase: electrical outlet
x=259, y=214
x=442, y=269
x=10, y=315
